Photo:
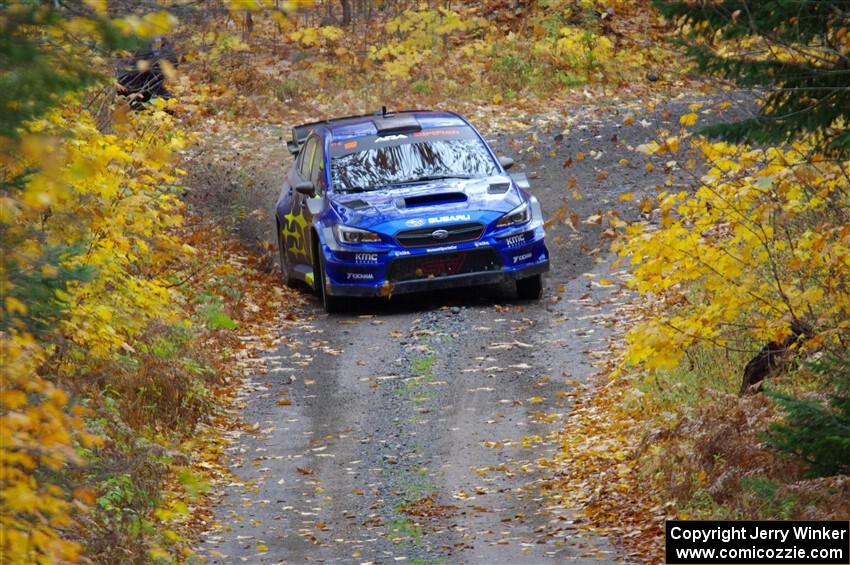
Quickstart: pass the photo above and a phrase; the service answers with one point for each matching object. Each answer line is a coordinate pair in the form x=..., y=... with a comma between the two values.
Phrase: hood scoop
x=498, y=187
x=431, y=199
x=355, y=204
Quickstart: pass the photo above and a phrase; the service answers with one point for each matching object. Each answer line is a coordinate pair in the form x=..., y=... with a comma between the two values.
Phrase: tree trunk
x=346, y=12
x=772, y=358
x=249, y=24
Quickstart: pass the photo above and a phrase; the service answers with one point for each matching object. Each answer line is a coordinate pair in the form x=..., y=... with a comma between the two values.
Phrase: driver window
x=318, y=172
x=307, y=157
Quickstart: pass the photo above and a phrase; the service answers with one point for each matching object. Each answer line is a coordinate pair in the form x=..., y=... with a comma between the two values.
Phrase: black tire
x=285, y=276
x=332, y=304
x=530, y=288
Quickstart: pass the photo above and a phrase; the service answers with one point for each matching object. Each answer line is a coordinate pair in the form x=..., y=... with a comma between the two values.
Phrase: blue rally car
x=391, y=203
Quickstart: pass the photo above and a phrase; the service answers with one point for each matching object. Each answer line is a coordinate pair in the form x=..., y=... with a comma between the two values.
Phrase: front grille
x=457, y=233
x=444, y=264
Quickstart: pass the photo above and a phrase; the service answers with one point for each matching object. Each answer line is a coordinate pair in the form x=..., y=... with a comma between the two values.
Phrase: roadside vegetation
x=119, y=310
x=362, y=55
x=122, y=309
x=730, y=400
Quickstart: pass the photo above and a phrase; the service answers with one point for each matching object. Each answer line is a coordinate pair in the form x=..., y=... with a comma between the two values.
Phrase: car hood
x=428, y=204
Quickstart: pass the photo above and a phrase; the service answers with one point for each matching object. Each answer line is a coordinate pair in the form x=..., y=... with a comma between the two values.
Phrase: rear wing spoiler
x=399, y=122
x=299, y=136
x=302, y=132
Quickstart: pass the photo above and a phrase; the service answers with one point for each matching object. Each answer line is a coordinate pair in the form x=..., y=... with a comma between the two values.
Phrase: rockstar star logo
x=294, y=230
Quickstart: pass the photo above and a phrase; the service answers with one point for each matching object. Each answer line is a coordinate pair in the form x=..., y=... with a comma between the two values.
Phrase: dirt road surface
x=410, y=431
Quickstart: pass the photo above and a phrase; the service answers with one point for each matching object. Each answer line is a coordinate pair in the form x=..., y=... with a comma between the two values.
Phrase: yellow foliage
x=100, y=204
x=147, y=26
x=582, y=48
x=420, y=35
x=317, y=36
x=764, y=242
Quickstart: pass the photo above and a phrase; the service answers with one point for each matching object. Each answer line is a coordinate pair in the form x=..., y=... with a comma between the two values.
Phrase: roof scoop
x=389, y=124
x=437, y=199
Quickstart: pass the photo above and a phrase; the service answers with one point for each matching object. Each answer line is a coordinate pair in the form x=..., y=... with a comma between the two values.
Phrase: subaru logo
x=439, y=234
x=415, y=222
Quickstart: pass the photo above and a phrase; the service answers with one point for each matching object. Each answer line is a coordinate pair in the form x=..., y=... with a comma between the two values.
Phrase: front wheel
x=332, y=304
x=530, y=288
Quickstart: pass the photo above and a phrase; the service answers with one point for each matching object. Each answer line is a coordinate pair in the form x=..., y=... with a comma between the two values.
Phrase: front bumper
x=438, y=283
x=395, y=272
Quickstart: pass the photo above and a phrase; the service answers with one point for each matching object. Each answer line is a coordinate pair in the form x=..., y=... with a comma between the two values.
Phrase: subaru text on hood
x=386, y=204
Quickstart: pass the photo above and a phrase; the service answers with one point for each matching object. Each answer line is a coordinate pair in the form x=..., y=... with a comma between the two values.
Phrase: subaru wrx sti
x=392, y=203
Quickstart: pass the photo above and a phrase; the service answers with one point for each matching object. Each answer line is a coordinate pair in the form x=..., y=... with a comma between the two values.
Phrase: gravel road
x=410, y=431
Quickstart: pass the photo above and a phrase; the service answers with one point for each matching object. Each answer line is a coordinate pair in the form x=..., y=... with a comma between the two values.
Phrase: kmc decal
x=366, y=258
x=516, y=240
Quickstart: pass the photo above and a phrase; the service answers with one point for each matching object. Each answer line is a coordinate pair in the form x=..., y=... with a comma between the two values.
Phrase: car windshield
x=373, y=163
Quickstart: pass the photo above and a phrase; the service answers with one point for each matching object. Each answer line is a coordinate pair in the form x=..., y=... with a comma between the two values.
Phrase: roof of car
x=360, y=126
x=378, y=123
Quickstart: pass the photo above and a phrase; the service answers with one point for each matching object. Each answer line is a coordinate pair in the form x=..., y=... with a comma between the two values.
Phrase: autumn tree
x=759, y=251
x=798, y=50
x=76, y=285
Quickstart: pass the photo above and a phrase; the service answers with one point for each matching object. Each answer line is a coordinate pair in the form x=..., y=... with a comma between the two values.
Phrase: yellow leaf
x=671, y=144
x=13, y=399
x=15, y=306
x=688, y=119
x=98, y=6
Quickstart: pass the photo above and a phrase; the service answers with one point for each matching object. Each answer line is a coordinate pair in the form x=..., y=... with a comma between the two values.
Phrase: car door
x=295, y=226
x=318, y=177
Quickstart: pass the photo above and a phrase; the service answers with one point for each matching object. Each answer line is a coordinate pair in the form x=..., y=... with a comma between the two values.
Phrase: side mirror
x=506, y=162
x=305, y=187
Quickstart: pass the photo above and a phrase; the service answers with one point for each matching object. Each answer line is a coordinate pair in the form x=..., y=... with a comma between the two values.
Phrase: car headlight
x=347, y=234
x=519, y=215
